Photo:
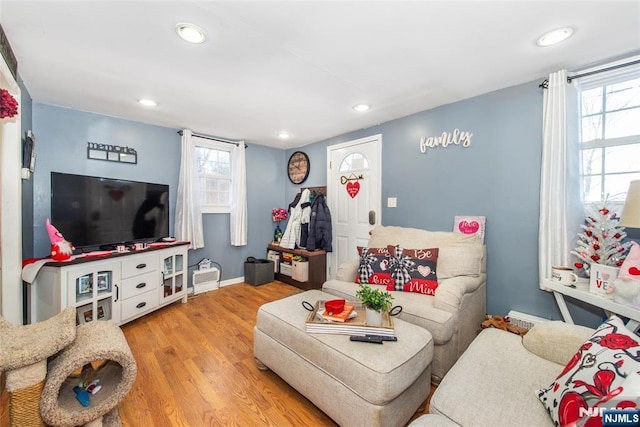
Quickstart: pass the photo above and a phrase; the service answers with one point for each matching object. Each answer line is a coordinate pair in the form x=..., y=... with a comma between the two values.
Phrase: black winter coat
x=319, y=226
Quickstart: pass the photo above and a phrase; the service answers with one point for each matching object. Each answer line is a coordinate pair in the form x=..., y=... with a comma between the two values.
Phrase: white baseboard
x=232, y=281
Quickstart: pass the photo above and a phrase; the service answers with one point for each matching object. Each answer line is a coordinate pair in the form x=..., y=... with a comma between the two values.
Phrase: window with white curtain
x=609, y=134
x=214, y=166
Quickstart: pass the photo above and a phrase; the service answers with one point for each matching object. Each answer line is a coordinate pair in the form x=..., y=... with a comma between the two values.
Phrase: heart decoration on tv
x=351, y=184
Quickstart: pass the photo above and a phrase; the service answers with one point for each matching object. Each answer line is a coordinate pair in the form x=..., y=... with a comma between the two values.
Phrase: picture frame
x=84, y=314
x=104, y=309
x=103, y=281
x=29, y=152
x=85, y=284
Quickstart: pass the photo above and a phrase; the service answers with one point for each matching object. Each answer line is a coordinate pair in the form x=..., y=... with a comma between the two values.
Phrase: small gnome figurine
x=61, y=250
x=626, y=288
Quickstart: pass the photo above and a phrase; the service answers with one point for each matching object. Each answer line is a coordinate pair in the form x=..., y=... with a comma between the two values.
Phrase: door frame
x=332, y=187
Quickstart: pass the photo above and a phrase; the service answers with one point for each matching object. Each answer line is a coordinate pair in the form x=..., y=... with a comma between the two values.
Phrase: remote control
x=366, y=338
x=383, y=337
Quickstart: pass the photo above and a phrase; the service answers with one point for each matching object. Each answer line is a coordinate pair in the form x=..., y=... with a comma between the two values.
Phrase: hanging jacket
x=320, y=226
x=291, y=235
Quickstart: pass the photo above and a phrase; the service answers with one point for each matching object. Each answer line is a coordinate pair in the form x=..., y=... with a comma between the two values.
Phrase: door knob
x=372, y=217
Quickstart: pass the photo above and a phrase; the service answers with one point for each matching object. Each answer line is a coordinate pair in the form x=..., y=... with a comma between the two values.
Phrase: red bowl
x=334, y=306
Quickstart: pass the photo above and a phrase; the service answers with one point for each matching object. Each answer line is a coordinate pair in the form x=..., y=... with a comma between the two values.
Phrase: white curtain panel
x=561, y=209
x=188, y=223
x=238, y=218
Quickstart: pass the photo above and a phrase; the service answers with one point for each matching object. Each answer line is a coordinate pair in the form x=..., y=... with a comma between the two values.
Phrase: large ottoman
x=354, y=383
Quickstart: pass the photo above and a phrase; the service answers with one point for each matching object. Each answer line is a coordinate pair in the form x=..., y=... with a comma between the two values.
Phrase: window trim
x=220, y=146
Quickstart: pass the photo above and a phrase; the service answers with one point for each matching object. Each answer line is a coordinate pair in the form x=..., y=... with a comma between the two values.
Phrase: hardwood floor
x=196, y=366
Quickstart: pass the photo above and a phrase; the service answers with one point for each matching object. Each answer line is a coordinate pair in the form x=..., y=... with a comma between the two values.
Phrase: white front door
x=353, y=192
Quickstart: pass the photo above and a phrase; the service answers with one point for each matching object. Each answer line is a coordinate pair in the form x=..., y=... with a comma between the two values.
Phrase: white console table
x=117, y=287
x=581, y=293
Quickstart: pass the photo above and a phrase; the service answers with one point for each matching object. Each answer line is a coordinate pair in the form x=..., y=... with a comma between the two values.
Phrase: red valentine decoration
x=604, y=211
x=466, y=227
x=353, y=188
x=8, y=104
x=595, y=258
x=596, y=246
x=589, y=233
x=617, y=235
x=579, y=265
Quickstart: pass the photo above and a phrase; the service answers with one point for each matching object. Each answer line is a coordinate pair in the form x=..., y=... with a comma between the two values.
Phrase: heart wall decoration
x=353, y=188
x=470, y=225
x=351, y=184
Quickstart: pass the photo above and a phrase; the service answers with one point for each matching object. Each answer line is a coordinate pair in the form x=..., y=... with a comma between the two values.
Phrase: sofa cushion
x=493, y=384
x=556, y=341
x=458, y=254
x=601, y=364
x=413, y=270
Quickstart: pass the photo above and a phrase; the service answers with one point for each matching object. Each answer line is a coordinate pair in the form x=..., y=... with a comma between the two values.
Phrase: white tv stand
x=117, y=287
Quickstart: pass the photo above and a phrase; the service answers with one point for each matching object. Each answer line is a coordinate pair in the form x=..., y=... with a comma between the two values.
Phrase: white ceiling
x=299, y=66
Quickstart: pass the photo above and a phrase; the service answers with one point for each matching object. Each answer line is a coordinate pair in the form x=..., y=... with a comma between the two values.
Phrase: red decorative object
x=8, y=104
x=278, y=214
x=353, y=188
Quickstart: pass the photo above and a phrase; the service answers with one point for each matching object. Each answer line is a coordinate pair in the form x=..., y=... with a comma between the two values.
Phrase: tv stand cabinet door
x=173, y=265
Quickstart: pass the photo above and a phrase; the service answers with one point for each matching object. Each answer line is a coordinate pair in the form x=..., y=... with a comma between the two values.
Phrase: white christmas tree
x=601, y=241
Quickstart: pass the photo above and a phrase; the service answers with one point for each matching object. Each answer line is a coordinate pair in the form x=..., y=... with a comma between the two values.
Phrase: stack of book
x=342, y=317
x=319, y=322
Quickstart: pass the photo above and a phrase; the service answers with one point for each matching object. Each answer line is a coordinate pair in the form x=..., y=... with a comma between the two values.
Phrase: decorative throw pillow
x=413, y=270
x=599, y=368
x=374, y=266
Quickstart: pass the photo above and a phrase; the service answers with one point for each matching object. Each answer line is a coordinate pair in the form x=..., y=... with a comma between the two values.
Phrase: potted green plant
x=375, y=301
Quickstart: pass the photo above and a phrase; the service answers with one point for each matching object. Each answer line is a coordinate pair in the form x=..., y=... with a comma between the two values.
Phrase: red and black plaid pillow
x=413, y=270
x=374, y=266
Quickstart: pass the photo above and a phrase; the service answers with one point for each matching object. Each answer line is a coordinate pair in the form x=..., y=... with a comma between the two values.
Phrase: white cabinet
x=174, y=279
x=118, y=288
x=93, y=292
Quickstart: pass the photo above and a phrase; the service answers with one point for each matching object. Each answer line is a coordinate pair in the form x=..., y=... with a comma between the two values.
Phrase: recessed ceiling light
x=284, y=135
x=190, y=33
x=362, y=107
x=555, y=36
x=148, y=102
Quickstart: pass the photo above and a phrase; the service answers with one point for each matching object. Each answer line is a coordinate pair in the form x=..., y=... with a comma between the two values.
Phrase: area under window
x=610, y=140
x=214, y=176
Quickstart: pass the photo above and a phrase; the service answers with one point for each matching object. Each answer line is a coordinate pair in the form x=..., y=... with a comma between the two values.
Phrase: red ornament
x=579, y=265
x=604, y=211
x=589, y=233
x=596, y=246
x=617, y=235
x=595, y=257
x=619, y=263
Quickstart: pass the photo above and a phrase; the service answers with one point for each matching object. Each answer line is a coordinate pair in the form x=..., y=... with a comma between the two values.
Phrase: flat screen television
x=93, y=212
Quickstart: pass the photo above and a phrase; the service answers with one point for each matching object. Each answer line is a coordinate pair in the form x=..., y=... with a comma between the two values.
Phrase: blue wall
x=62, y=136
x=498, y=176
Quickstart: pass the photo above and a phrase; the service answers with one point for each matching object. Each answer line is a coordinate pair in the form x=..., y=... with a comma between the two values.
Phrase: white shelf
x=581, y=293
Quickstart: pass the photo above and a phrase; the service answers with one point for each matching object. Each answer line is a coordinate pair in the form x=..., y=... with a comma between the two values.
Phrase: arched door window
x=354, y=162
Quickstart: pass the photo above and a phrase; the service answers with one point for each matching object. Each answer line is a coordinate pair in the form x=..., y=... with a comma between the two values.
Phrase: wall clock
x=298, y=167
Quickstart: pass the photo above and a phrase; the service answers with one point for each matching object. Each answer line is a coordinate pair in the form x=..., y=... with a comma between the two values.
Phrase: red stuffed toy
x=61, y=250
